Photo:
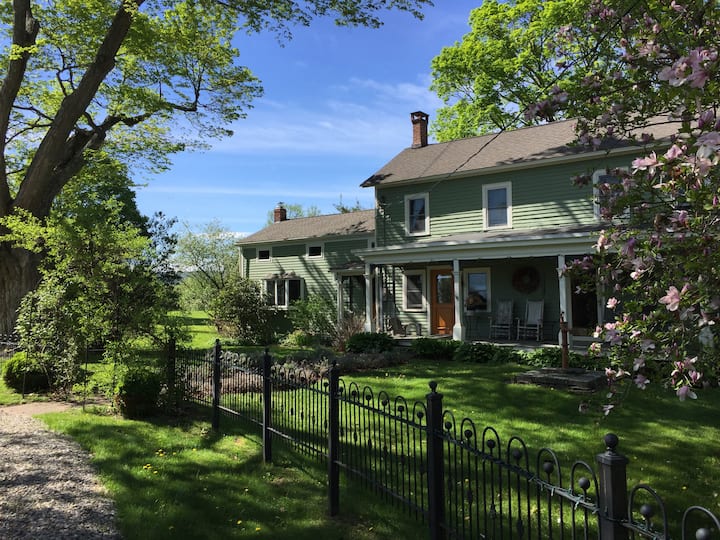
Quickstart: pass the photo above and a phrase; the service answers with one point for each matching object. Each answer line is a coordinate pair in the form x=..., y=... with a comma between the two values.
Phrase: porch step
x=574, y=379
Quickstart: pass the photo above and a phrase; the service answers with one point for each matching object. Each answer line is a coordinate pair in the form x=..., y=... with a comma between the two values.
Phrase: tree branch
x=46, y=168
x=25, y=30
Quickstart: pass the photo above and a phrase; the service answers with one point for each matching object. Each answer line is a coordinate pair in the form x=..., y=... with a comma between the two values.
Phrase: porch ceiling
x=495, y=245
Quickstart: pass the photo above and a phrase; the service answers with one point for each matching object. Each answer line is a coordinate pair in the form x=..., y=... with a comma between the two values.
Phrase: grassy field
x=179, y=480
x=672, y=445
x=170, y=475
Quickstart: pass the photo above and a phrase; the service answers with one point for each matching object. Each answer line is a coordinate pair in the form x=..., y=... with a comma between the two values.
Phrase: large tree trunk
x=18, y=276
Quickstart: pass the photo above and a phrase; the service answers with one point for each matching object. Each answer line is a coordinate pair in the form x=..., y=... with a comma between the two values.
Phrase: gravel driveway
x=48, y=489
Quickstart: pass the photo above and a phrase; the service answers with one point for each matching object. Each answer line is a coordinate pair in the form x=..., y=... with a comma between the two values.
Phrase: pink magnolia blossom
x=612, y=303
x=674, y=152
x=671, y=299
x=647, y=163
x=641, y=381
x=685, y=392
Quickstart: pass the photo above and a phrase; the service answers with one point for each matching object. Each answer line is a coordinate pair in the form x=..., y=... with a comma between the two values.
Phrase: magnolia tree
x=658, y=261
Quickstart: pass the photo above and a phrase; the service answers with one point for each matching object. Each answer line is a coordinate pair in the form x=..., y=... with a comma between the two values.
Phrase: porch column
x=458, y=328
x=368, y=298
x=339, y=292
x=565, y=296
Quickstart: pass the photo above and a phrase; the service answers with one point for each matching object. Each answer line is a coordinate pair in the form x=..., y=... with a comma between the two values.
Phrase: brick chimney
x=280, y=213
x=420, y=129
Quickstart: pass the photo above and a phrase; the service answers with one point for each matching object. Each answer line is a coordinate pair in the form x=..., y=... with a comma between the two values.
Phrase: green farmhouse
x=466, y=239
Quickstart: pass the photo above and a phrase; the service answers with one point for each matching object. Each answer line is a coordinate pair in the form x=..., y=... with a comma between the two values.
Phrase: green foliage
x=316, y=316
x=500, y=68
x=240, y=311
x=485, y=353
x=139, y=392
x=434, y=349
x=208, y=260
x=297, y=338
x=105, y=277
x=370, y=342
x=25, y=374
x=552, y=357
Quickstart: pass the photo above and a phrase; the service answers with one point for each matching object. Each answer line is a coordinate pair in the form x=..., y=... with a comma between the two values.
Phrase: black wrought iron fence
x=9, y=345
x=464, y=482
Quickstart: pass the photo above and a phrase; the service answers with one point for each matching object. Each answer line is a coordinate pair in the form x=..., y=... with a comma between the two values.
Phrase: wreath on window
x=526, y=279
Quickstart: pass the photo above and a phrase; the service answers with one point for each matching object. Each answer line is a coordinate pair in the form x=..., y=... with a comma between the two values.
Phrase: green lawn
x=179, y=480
x=672, y=445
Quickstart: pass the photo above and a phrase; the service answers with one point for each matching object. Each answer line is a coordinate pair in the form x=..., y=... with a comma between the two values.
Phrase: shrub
x=25, y=374
x=315, y=316
x=240, y=312
x=139, y=392
x=350, y=325
x=370, y=342
x=297, y=339
x=435, y=349
x=485, y=353
x=552, y=357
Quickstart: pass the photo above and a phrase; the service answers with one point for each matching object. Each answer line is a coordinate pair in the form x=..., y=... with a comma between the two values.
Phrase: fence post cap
x=611, y=442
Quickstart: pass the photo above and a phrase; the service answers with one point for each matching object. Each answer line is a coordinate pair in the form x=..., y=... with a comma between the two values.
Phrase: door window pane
x=444, y=289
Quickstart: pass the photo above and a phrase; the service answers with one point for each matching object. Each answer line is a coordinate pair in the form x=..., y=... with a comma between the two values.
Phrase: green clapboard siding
x=542, y=197
x=315, y=272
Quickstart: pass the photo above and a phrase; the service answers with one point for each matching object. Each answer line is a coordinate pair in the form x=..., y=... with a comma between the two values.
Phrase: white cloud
x=366, y=118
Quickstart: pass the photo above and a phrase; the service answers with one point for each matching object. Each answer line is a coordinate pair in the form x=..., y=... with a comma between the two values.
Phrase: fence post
x=436, y=464
x=267, y=408
x=216, y=387
x=612, y=496
x=334, y=439
x=171, y=372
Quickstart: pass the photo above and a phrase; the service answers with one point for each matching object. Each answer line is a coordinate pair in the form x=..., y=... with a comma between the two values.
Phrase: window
x=477, y=290
x=283, y=290
x=606, y=184
x=497, y=205
x=417, y=218
x=263, y=254
x=414, y=291
x=314, y=251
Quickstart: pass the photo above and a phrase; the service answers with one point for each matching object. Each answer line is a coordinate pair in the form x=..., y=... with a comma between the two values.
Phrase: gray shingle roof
x=521, y=146
x=333, y=225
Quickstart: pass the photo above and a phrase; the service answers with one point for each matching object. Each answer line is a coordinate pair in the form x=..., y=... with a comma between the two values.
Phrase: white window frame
x=412, y=197
x=268, y=249
x=273, y=300
x=507, y=186
x=596, y=192
x=319, y=245
x=423, y=295
x=466, y=288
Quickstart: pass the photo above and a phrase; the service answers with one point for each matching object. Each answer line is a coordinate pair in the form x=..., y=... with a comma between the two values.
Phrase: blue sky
x=336, y=107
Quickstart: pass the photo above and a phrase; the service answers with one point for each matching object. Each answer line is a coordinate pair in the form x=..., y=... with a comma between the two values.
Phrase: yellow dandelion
x=257, y=529
x=155, y=472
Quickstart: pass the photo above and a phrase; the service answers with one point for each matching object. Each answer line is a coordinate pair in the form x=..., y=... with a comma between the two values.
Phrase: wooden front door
x=442, y=305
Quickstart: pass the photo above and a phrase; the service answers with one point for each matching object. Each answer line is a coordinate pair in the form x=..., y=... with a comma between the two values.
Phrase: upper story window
x=417, y=217
x=497, y=205
x=607, y=184
x=263, y=254
x=283, y=289
x=477, y=290
x=315, y=251
x=414, y=291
